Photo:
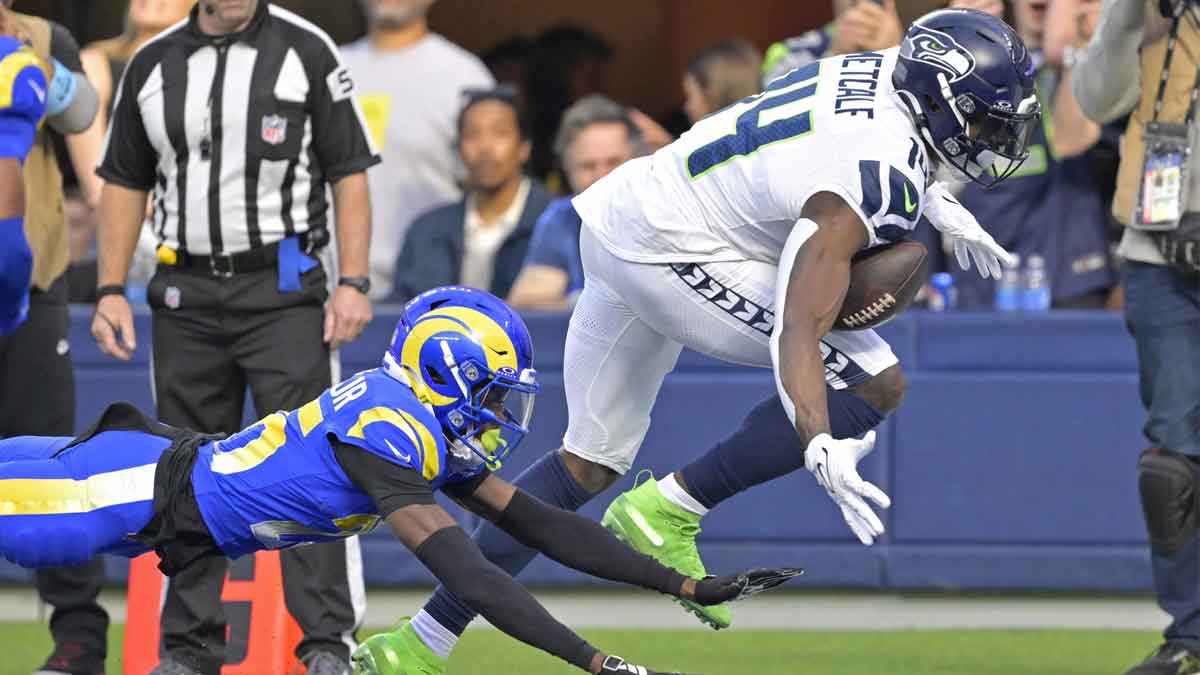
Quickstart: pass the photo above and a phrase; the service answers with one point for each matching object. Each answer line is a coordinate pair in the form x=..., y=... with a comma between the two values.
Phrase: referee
x=236, y=119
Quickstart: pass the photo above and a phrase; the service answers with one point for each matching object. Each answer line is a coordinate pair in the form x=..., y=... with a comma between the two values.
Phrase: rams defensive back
x=453, y=397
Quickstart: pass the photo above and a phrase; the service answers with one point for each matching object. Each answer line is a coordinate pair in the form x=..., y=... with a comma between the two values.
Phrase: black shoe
x=72, y=658
x=1169, y=659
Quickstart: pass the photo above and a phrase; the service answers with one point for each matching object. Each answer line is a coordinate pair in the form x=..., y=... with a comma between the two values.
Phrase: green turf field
x=486, y=652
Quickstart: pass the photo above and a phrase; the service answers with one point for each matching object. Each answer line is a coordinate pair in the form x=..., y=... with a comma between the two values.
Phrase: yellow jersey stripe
x=309, y=416
x=430, y=463
x=417, y=434
x=378, y=414
x=45, y=496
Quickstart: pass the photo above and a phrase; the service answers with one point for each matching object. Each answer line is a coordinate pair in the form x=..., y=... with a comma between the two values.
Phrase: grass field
x=487, y=652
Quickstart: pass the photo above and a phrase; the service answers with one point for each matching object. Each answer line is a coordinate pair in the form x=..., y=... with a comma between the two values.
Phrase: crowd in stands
x=480, y=162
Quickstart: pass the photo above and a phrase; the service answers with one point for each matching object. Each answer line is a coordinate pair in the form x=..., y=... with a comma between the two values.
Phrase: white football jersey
x=733, y=186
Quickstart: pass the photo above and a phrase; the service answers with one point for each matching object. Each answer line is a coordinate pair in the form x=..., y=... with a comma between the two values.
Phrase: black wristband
x=360, y=284
x=109, y=289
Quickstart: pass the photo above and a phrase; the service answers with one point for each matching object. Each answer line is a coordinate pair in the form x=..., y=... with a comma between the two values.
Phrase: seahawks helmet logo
x=940, y=51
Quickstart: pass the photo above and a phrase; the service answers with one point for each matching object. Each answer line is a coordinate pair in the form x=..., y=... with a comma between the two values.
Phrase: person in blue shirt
x=22, y=105
x=453, y=398
x=596, y=136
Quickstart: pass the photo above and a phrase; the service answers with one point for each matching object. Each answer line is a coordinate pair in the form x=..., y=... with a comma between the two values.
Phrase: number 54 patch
x=341, y=86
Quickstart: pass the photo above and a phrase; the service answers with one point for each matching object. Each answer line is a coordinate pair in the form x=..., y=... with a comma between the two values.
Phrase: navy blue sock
x=547, y=479
x=766, y=447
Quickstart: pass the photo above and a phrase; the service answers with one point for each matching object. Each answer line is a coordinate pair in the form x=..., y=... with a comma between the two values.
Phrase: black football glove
x=715, y=590
x=616, y=665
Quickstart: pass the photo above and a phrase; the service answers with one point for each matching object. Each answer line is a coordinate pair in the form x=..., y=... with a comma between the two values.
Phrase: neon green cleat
x=396, y=652
x=646, y=521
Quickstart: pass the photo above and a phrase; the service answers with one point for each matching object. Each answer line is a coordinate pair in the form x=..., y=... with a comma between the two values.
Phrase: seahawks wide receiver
x=736, y=241
x=453, y=398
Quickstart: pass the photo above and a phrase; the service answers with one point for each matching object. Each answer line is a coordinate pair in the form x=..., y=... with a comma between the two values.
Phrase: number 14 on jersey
x=778, y=114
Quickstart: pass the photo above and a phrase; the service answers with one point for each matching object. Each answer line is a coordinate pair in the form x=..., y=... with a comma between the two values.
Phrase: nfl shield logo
x=274, y=129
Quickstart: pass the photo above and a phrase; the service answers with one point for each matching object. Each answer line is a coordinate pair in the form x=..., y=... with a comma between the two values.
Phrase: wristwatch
x=360, y=284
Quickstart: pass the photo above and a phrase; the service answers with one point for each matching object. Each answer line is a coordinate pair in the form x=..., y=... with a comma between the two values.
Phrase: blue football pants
x=63, y=508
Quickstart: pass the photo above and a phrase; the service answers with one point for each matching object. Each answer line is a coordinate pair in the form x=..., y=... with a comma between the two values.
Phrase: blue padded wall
x=1010, y=465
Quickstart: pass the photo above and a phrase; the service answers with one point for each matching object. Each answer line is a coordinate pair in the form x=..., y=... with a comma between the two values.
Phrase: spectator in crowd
x=36, y=373
x=1069, y=25
x=508, y=61
x=479, y=241
x=411, y=82
x=1142, y=62
x=1051, y=207
x=240, y=297
x=719, y=75
x=596, y=136
x=569, y=62
x=858, y=25
x=104, y=63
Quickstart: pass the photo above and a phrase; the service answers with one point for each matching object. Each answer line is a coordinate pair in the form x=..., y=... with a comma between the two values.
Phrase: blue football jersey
x=278, y=484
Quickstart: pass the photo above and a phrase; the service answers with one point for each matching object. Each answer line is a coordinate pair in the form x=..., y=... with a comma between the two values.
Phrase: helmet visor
x=508, y=402
x=1008, y=134
x=1000, y=143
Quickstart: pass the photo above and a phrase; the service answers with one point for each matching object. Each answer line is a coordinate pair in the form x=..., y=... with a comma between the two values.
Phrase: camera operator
x=1145, y=57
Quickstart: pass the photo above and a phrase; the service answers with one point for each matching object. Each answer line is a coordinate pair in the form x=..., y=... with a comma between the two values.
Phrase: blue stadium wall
x=1011, y=464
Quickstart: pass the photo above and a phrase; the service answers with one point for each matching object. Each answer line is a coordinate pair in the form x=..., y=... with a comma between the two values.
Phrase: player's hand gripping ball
x=883, y=282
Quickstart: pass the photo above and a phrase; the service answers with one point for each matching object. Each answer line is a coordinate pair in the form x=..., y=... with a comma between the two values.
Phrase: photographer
x=1149, y=63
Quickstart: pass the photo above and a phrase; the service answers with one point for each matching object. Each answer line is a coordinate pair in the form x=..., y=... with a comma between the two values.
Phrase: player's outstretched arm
x=430, y=533
x=583, y=544
x=403, y=497
x=814, y=273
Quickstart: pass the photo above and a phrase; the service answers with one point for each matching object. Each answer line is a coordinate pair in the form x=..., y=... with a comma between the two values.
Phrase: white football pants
x=633, y=319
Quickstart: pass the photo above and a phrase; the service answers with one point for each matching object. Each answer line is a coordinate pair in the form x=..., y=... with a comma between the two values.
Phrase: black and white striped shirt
x=236, y=135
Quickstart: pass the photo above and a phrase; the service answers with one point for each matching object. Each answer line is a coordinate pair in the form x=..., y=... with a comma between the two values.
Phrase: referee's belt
x=244, y=262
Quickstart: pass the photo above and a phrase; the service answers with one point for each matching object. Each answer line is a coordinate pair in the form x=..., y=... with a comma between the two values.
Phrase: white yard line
x=785, y=611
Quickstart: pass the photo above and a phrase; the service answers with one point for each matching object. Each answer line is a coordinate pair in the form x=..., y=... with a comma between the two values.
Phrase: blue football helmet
x=967, y=78
x=469, y=357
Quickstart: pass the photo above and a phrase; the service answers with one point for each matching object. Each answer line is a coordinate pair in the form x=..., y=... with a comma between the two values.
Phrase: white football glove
x=970, y=240
x=835, y=465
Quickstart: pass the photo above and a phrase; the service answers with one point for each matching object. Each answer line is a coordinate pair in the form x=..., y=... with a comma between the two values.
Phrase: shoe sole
x=613, y=524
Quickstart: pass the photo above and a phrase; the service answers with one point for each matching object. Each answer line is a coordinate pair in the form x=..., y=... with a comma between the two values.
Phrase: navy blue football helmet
x=968, y=80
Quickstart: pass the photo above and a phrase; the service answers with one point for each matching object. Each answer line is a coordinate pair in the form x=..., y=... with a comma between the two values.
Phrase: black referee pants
x=38, y=382
x=213, y=338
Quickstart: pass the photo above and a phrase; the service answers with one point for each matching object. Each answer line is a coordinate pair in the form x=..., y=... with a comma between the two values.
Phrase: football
x=883, y=282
